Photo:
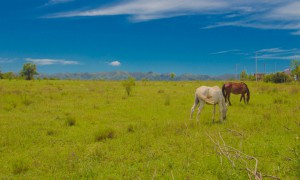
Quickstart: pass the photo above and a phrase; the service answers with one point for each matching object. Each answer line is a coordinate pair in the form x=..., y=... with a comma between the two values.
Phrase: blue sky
x=183, y=36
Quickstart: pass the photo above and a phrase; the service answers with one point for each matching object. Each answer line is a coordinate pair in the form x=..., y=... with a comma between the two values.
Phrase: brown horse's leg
x=229, y=99
x=226, y=96
x=242, y=97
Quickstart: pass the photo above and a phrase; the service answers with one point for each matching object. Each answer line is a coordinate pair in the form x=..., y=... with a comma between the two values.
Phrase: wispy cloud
x=53, y=2
x=226, y=51
x=261, y=14
x=115, y=63
x=51, y=61
x=7, y=60
x=296, y=33
x=143, y=10
x=278, y=54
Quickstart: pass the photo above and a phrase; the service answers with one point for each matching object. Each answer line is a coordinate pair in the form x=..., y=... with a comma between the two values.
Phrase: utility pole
x=256, y=66
x=265, y=67
x=236, y=71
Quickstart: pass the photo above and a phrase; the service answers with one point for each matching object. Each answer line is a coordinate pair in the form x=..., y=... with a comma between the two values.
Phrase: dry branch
x=238, y=159
x=234, y=131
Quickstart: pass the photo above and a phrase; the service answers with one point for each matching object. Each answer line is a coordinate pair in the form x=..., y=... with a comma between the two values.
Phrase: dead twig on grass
x=238, y=159
x=234, y=132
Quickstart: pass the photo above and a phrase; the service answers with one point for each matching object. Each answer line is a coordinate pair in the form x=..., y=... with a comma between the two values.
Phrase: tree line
x=27, y=72
x=278, y=77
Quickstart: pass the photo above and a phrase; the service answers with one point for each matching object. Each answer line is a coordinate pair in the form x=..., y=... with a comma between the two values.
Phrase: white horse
x=211, y=96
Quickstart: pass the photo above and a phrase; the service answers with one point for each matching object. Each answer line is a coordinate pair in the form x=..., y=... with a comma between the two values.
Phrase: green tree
x=28, y=71
x=251, y=77
x=243, y=76
x=295, y=67
x=172, y=76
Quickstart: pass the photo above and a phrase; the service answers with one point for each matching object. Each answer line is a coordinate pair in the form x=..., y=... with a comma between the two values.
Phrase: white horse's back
x=211, y=95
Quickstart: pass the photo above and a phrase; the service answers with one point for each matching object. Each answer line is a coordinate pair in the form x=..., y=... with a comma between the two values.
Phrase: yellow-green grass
x=93, y=130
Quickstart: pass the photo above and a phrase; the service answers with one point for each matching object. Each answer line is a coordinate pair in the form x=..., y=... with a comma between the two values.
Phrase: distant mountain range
x=121, y=75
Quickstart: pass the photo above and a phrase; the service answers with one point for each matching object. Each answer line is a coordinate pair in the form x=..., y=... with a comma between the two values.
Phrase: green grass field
x=93, y=130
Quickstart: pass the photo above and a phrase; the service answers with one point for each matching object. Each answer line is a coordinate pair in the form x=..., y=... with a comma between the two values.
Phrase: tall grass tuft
x=130, y=128
x=50, y=132
x=167, y=100
x=280, y=100
x=19, y=167
x=70, y=121
x=27, y=101
x=105, y=133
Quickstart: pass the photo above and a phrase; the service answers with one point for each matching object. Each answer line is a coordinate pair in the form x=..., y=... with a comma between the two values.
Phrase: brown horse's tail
x=223, y=91
x=248, y=93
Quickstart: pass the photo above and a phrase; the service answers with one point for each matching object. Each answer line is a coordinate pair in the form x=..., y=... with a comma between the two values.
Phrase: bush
x=128, y=84
x=279, y=77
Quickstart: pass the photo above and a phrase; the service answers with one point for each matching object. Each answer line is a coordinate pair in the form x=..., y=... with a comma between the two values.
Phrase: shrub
x=128, y=84
x=279, y=77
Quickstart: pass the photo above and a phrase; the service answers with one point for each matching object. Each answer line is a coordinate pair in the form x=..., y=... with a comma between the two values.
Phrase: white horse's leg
x=221, y=111
x=199, y=109
x=193, y=107
x=214, y=112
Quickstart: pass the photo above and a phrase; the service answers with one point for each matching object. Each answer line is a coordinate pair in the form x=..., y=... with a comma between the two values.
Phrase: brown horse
x=235, y=88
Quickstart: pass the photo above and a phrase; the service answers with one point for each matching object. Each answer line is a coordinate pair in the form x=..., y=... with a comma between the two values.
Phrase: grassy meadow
x=56, y=129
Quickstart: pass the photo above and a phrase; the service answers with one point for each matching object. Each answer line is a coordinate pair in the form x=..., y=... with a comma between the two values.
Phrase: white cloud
x=226, y=51
x=51, y=61
x=7, y=60
x=261, y=14
x=278, y=54
x=53, y=2
x=115, y=63
x=290, y=11
x=296, y=33
x=143, y=10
